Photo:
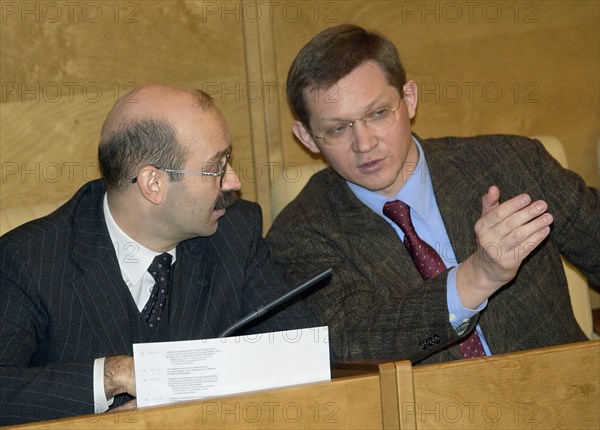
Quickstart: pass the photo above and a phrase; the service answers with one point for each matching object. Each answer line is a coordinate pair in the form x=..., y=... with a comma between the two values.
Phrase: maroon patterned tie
x=428, y=263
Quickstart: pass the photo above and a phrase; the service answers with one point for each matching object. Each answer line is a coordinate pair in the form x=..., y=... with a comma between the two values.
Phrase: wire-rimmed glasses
x=218, y=170
x=377, y=120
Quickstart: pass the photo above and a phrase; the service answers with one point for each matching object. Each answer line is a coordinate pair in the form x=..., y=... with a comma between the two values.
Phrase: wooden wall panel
x=520, y=67
x=65, y=63
x=524, y=67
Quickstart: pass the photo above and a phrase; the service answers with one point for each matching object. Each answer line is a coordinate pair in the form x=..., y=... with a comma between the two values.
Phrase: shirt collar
x=134, y=258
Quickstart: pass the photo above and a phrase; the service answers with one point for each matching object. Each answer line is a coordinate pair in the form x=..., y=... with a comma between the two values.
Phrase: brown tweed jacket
x=378, y=307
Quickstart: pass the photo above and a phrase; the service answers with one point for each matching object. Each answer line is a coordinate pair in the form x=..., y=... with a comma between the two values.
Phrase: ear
x=152, y=184
x=411, y=98
x=305, y=137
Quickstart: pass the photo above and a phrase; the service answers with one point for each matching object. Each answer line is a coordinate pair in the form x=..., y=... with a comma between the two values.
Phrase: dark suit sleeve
x=29, y=392
x=241, y=235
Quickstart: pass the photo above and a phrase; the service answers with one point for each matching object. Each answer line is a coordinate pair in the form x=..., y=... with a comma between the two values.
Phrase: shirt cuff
x=459, y=316
x=101, y=404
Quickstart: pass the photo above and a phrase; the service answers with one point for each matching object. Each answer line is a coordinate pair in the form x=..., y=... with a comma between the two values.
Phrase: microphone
x=266, y=308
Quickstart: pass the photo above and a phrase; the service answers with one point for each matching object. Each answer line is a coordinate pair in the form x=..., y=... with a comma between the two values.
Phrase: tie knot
x=160, y=269
x=399, y=212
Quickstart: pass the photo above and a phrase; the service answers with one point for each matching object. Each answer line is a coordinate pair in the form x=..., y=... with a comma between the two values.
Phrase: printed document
x=170, y=372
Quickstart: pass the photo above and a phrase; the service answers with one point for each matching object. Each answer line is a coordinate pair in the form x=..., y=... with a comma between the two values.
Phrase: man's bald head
x=141, y=129
x=154, y=102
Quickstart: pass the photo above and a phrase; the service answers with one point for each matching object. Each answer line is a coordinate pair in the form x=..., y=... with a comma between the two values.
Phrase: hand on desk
x=119, y=376
x=506, y=234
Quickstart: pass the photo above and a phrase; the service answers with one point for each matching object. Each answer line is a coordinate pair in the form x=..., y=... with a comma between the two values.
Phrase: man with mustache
x=159, y=249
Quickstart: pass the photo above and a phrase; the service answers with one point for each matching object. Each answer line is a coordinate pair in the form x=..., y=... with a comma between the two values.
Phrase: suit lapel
x=458, y=190
x=362, y=229
x=457, y=194
x=101, y=290
x=188, y=292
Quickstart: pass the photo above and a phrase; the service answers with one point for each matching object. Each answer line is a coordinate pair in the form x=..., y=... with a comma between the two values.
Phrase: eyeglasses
x=218, y=170
x=378, y=120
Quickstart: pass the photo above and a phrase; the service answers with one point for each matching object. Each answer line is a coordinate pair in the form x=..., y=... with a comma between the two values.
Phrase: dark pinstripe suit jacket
x=63, y=301
x=376, y=304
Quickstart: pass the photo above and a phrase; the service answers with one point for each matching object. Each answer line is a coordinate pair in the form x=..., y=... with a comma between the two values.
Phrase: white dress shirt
x=134, y=260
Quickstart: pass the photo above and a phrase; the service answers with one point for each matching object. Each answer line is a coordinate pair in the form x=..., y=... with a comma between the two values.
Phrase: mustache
x=226, y=199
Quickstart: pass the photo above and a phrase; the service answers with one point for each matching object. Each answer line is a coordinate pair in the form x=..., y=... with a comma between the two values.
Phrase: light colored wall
x=523, y=67
x=60, y=77
x=526, y=68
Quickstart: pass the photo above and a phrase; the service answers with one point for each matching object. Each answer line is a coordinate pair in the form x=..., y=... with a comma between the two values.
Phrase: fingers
x=506, y=234
x=521, y=226
x=513, y=222
x=498, y=213
x=490, y=200
x=509, y=231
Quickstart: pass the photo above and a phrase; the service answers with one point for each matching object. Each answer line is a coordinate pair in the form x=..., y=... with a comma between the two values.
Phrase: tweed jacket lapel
x=360, y=228
x=454, y=188
x=458, y=193
x=458, y=196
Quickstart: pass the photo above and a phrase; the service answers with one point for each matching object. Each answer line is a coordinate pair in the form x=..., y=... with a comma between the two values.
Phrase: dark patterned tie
x=428, y=263
x=160, y=269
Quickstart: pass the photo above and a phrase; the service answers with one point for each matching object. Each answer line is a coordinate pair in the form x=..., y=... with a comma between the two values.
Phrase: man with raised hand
x=424, y=267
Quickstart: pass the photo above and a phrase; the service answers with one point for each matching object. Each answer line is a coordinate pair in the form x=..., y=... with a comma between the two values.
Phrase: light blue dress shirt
x=418, y=193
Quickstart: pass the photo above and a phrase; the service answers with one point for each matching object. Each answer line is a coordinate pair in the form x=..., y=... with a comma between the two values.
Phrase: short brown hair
x=333, y=54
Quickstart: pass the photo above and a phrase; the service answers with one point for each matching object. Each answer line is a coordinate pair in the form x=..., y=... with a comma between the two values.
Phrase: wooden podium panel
x=547, y=388
x=348, y=403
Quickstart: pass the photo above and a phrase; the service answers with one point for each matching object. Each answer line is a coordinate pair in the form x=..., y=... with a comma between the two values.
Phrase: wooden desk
x=547, y=388
x=348, y=403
